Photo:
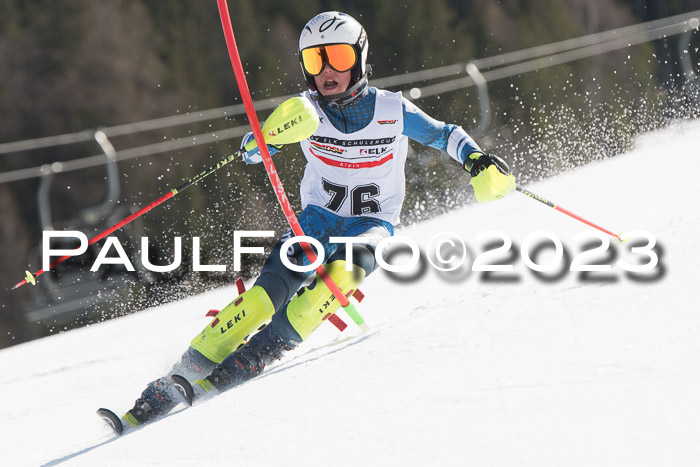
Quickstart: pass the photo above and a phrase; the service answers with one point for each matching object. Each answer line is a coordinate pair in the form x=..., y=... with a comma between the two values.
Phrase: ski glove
x=250, y=151
x=491, y=177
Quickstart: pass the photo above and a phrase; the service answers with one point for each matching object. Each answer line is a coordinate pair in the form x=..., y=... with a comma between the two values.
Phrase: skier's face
x=330, y=82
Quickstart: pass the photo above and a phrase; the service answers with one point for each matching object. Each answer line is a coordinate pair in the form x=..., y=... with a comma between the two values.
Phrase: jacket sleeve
x=448, y=138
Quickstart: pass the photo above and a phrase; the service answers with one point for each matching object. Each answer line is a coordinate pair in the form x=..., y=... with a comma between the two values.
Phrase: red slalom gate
x=272, y=172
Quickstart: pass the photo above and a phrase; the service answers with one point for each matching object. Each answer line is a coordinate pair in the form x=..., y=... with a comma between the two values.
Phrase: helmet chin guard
x=333, y=27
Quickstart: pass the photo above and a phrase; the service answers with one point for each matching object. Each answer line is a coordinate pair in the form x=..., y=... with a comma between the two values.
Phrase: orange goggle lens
x=341, y=57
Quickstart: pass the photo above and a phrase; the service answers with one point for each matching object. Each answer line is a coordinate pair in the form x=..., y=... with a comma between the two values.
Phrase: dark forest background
x=73, y=65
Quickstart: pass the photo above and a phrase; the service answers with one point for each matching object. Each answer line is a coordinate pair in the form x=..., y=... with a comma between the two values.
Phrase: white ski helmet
x=334, y=28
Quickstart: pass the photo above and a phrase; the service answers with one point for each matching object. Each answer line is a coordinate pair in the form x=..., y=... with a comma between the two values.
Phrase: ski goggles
x=341, y=57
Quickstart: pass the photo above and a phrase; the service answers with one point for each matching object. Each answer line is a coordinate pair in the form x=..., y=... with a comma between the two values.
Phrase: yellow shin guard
x=232, y=325
x=308, y=310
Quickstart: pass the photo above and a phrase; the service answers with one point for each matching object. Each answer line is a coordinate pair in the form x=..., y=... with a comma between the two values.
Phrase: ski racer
x=353, y=185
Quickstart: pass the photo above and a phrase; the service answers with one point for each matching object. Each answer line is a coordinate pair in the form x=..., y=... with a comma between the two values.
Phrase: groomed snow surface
x=456, y=369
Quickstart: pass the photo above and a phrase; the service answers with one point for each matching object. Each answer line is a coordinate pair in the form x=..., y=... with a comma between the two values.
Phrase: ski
x=127, y=422
x=112, y=420
x=184, y=388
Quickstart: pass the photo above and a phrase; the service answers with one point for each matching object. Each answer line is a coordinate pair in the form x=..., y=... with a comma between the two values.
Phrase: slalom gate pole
x=270, y=167
x=565, y=211
x=31, y=278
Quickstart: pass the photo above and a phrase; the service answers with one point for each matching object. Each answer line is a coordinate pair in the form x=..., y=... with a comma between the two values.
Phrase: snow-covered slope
x=456, y=369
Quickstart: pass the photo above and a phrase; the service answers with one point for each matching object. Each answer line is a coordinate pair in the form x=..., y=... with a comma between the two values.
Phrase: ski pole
x=270, y=167
x=289, y=123
x=565, y=211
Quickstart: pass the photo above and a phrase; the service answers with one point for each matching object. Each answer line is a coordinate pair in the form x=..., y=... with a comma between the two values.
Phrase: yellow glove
x=491, y=177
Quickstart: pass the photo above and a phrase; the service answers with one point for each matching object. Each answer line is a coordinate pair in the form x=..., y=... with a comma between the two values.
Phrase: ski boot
x=159, y=398
x=245, y=363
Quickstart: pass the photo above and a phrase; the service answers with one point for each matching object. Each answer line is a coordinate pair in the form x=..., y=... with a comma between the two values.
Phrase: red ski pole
x=565, y=211
x=270, y=167
x=291, y=110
